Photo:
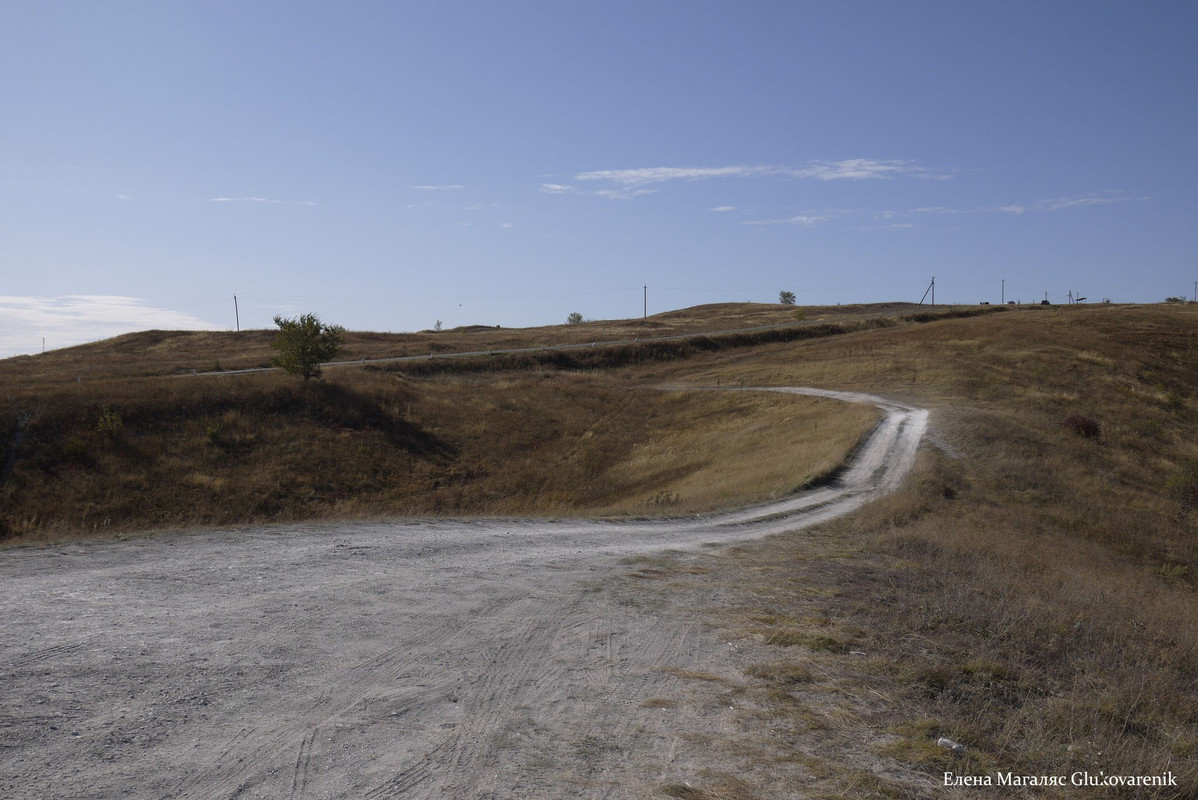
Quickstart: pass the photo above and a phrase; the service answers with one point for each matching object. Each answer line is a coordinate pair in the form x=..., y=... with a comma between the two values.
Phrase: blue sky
x=390, y=164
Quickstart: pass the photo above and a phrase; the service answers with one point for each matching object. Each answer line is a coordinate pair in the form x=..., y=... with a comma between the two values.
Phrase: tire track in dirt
x=299, y=778
x=344, y=697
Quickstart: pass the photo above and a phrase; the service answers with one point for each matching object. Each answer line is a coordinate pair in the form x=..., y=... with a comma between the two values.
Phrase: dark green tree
x=786, y=298
x=304, y=343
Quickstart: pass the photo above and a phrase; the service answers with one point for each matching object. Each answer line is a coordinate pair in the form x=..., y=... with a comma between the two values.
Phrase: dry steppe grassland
x=1029, y=593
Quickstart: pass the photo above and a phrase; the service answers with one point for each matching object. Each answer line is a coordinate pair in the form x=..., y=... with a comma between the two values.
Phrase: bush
x=304, y=343
x=78, y=450
x=1082, y=426
x=110, y=424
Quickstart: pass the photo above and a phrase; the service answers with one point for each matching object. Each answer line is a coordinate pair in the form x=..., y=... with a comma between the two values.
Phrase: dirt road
x=434, y=659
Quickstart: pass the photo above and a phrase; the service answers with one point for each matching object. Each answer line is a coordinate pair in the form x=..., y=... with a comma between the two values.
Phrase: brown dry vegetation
x=151, y=353
x=1029, y=594
x=199, y=451
x=531, y=433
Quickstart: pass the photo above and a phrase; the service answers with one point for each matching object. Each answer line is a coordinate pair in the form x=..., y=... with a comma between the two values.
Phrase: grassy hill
x=1030, y=593
x=120, y=435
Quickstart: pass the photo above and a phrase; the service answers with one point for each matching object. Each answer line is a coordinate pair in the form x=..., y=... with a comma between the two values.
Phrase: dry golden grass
x=110, y=455
x=1030, y=593
x=155, y=353
x=738, y=448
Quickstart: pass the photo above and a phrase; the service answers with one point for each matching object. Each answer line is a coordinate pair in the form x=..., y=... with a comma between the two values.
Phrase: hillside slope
x=1030, y=594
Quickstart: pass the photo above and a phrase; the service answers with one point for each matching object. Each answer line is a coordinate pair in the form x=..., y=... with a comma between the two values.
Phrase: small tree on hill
x=786, y=298
x=574, y=319
x=304, y=343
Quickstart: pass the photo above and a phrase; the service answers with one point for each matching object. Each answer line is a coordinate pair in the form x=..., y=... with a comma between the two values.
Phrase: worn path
x=435, y=659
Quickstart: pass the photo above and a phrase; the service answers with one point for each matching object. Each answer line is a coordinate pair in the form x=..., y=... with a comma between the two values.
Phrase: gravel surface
x=432, y=659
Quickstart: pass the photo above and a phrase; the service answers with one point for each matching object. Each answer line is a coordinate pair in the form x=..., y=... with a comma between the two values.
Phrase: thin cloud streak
x=449, y=187
x=849, y=169
x=1048, y=206
x=262, y=200
x=75, y=319
x=611, y=194
x=803, y=220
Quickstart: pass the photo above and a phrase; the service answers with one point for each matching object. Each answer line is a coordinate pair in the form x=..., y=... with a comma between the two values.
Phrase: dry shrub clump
x=1083, y=426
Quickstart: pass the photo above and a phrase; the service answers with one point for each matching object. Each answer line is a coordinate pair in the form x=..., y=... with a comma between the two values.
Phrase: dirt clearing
x=463, y=659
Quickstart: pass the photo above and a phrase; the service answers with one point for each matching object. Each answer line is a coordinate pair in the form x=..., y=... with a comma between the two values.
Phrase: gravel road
x=418, y=659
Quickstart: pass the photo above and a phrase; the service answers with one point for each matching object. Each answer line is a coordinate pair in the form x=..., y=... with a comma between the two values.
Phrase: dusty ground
x=455, y=659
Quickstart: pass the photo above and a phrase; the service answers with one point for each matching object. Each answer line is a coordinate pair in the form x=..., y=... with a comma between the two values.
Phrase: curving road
x=423, y=659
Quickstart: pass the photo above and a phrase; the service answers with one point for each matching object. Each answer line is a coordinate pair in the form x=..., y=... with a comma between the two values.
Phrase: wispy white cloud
x=1045, y=206
x=649, y=175
x=621, y=194
x=612, y=194
x=848, y=169
x=1062, y=203
x=263, y=200
x=448, y=187
x=857, y=169
x=896, y=226
x=723, y=209
x=809, y=220
x=75, y=319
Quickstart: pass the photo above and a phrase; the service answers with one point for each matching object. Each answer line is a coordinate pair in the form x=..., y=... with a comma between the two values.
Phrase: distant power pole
x=1003, y=301
x=237, y=313
x=932, y=289
x=646, y=287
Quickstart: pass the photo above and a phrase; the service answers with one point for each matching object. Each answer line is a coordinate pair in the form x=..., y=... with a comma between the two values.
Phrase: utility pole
x=931, y=289
x=646, y=287
x=1003, y=301
x=237, y=313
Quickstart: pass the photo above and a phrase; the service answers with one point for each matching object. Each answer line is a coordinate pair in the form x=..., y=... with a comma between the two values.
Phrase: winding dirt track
x=433, y=659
